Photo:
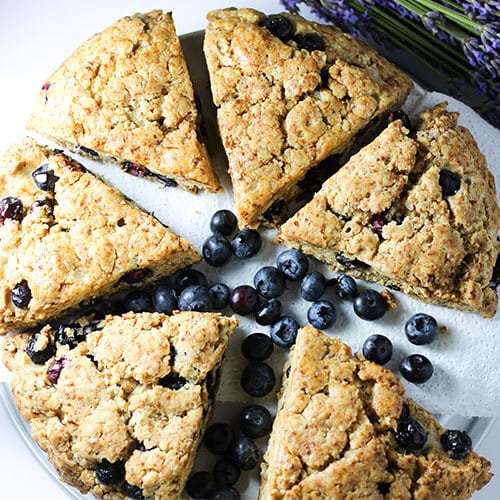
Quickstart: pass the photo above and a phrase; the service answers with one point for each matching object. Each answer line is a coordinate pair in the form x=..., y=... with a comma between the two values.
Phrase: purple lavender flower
x=291, y=5
x=431, y=22
x=480, y=10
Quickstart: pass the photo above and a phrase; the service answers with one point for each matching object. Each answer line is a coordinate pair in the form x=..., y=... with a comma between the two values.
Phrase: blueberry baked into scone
x=290, y=93
x=121, y=408
x=125, y=95
x=66, y=238
x=344, y=429
x=417, y=211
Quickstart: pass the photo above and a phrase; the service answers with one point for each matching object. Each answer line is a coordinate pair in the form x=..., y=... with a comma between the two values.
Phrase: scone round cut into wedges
x=285, y=104
x=125, y=408
x=343, y=429
x=125, y=95
x=66, y=238
x=416, y=212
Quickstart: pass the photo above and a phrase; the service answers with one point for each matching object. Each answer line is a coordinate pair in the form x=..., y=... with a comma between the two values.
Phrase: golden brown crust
x=333, y=436
x=126, y=94
x=437, y=248
x=283, y=109
x=75, y=242
x=109, y=398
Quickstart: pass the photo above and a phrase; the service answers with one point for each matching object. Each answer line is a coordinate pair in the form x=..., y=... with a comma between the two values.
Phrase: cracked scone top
x=132, y=397
x=283, y=108
x=335, y=434
x=126, y=95
x=418, y=212
x=66, y=237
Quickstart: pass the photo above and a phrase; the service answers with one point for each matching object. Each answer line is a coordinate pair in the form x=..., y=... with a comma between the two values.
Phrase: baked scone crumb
x=343, y=429
x=125, y=407
x=416, y=212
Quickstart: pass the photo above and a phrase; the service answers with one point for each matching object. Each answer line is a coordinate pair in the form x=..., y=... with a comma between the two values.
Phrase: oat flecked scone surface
x=333, y=435
x=283, y=109
x=126, y=94
x=75, y=242
x=138, y=389
x=384, y=216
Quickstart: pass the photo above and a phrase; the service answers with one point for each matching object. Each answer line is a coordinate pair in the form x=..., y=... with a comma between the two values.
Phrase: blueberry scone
x=415, y=211
x=125, y=95
x=66, y=238
x=344, y=429
x=120, y=408
x=289, y=93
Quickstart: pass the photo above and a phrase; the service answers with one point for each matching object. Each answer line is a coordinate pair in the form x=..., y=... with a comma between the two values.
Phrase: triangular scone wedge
x=338, y=434
x=66, y=238
x=125, y=95
x=282, y=109
x=131, y=398
x=419, y=214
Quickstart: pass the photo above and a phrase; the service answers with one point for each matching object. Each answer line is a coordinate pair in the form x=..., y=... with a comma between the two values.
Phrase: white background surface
x=34, y=38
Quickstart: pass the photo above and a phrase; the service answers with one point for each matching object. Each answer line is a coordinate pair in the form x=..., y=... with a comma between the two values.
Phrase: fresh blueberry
x=21, y=295
x=164, y=299
x=284, y=331
x=322, y=314
x=195, y=298
x=200, y=485
x=173, y=381
x=449, y=182
x=310, y=41
x=137, y=301
x=133, y=491
x=188, y=277
x=223, y=222
x=410, y=435
x=246, y=243
x=269, y=312
x=255, y=421
x=44, y=178
x=220, y=293
x=377, y=348
x=269, y=282
x=246, y=453
x=39, y=355
x=11, y=208
x=405, y=119
x=216, y=250
x=258, y=379
x=244, y=300
x=219, y=438
x=225, y=494
x=280, y=26
x=257, y=347
x=226, y=472
x=110, y=473
x=369, y=305
x=421, y=329
x=54, y=370
x=293, y=264
x=345, y=287
x=416, y=368
x=457, y=444
x=313, y=286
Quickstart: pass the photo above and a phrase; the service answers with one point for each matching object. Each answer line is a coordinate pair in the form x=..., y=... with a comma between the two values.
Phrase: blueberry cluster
x=236, y=451
x=420, y=329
